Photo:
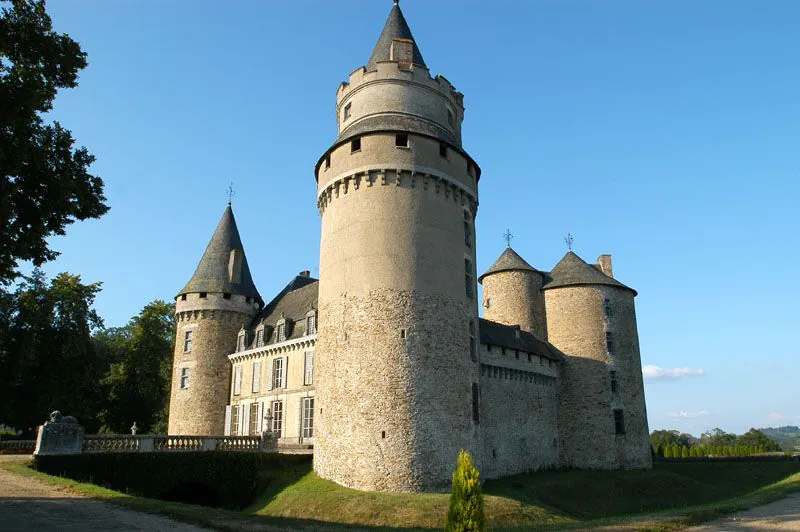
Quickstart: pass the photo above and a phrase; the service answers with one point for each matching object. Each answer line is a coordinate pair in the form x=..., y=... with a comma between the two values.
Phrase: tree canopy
x=45, y=184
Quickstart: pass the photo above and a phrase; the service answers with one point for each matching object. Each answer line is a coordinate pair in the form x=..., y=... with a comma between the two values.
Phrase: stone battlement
x=390, y=70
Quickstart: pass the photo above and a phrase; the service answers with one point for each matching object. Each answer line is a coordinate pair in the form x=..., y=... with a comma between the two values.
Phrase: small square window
x=327, y=162
x=443, y=150
x=401, y=140
x=355, y=145
x=614, y=385
x=183, y=297
x=203, y=295
x=619, y=422
x=226, y=296
x=348, y=110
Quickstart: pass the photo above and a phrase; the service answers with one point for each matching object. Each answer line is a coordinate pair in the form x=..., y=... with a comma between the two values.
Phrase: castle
x=383, y=364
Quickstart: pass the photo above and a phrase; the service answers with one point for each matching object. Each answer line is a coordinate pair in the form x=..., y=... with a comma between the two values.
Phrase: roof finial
x=397, y=2
x=508, y=237
x=231, y=193
x=568, y=240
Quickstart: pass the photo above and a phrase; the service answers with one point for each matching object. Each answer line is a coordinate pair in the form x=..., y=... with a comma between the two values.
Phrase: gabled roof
x=212, y=273
x=292, y=303
x=574, y=271
x=512, y=337
x=395, y=28
x=509, y=260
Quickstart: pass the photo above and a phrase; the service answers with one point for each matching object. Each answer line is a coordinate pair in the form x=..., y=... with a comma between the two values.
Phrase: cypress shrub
x=466, y=500
x=684, y=452
x=693, y=452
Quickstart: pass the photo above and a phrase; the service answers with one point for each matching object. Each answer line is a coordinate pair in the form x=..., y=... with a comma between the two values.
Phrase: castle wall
x=577, y=323
x=515, y=298
x=396, y=396
x=199, y=409
x=518, y=418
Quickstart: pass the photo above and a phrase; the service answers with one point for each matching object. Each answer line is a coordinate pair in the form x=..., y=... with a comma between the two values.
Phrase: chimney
x=305, y=273
x=604, y=261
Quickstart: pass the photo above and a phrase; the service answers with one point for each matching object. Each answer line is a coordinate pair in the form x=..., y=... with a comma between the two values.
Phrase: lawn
x=670, y=497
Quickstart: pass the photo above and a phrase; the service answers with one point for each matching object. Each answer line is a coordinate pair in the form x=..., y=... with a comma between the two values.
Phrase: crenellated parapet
x=426, y=179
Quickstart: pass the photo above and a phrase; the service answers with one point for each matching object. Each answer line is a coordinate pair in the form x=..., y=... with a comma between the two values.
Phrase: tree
x=44, y=181
x=140, y=364
x=663, y=438
x=47, y=355
x=717, y=437
x=466, y=500
x=693, y=452
x=684, y=452
x=675, y=450
x=757, y=438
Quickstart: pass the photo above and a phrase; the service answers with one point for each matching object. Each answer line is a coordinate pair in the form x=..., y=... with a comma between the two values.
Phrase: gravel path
x=28, y=504
x=783, y=514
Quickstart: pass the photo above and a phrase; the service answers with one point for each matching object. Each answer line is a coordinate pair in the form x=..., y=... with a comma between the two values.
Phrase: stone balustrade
x=160, y=443
x=17, y=446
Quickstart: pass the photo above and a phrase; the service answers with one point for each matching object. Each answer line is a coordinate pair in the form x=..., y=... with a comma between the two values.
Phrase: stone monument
x=60, y=435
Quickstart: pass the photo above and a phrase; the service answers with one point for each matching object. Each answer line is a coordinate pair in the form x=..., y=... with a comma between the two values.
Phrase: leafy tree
x=138, y=380
x=46, y=352
x=668, y=437
x=718, y=437
x=44, y=181
x=693, y=452
x=466, y=500
x=757, y=438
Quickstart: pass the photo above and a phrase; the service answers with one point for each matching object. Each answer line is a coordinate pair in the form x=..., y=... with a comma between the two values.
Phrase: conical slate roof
x=509, y=260
x=395, y=28
x=213, y=274
x=573, y=271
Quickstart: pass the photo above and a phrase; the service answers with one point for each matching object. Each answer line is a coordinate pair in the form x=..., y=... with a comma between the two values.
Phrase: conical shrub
x=466, y=500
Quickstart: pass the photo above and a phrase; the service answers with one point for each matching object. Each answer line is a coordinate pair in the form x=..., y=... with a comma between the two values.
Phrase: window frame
x=470, y=290
x=252, y=429
x=307, y=418
x=355, y=145
x=277, y=418
x=347, y=112
x=278, y=373
x=235, y=420
x=255, y=379
x=188, y=337
x=308, y=368
x=619, y=421
x=398, y=137
x=184, y=378
x=237, y=379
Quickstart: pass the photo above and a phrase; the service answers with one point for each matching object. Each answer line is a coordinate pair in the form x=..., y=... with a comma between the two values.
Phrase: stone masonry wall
x=518, y=412
x=577, y=325
x=515, y=298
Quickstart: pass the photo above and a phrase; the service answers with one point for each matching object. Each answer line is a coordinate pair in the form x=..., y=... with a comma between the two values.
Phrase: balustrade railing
x=101, y=443
x=112, y=443
x=17, y=446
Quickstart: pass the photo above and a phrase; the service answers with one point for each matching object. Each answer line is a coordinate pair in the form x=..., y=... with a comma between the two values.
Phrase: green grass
x=670, y=497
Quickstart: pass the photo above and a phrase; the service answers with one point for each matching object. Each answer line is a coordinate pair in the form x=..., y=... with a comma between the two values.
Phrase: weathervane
x=231, y=193
x=508, y=237
x=568, y=240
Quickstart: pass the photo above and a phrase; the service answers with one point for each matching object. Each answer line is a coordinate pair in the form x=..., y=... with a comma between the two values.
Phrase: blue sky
x=666, y=133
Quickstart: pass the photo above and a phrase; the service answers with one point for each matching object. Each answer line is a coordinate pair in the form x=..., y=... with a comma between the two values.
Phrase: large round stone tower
x=210, y=310
x=512, y=294
x=602, y=420
x=397, y=195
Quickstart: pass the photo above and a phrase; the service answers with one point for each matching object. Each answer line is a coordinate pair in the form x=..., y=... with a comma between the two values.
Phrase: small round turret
x=219, y=299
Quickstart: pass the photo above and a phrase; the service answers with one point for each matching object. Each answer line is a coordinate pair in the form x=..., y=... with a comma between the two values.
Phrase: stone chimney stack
x=604, y=261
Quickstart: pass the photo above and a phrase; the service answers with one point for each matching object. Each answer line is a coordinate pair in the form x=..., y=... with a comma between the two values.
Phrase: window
x=308, y=369
x=443, y=150
x=402, y=334
x=470, y=170
x=355, y=145
x=203, y=295
x=401, y=140
x=607, y=307
x=237, y=380
x=468, y=277
x=311, y=324
x=614, y=385
x=183, y=297
x=348, y=110
x=610, y=342
x=256, y=382
x=278, y=373
x=184, y=378
x=226, y=295
x=308, y=417
x=187, y=341
x=240, y=342
x=277, y=418
x=235, y=420
x=327, y=162
x=619, y=422
x=472, y=350
x=281, y=336
x=467, y=230
x=475, y=404
x=450, y=118
x=259, y=337
x=253, y=419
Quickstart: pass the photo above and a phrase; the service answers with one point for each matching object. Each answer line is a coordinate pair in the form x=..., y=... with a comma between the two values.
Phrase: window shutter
x=228, y=420
x=260, y=421
x=285, y=372
x=271, y=374
x=244, y=425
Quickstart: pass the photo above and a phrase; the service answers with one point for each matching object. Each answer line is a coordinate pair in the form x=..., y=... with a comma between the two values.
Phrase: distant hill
x=788, y=437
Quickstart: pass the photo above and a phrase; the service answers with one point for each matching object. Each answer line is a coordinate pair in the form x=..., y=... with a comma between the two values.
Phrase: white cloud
x=689, y=415
x=652, y=372
x=775, y=416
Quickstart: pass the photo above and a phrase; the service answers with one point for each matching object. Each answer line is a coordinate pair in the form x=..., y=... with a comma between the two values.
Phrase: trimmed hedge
x=213, y=478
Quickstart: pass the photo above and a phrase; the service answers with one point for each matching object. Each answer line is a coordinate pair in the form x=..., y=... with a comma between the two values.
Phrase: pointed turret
x=508, y=261
x=396, y=42
x=574, y=271
x=223, y=268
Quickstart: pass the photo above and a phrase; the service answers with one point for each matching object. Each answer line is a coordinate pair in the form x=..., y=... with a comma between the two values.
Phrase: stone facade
x=404, y=373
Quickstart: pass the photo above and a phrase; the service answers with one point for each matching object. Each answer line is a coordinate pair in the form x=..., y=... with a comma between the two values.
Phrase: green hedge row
x=225, y=479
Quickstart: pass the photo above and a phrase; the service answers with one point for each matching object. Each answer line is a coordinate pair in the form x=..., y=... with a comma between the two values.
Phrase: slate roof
x=574, y=271
x=393, y=123
x=292, y=303
x=396, y=27
x=494, y=333
x=509, y=261
x=211, y=274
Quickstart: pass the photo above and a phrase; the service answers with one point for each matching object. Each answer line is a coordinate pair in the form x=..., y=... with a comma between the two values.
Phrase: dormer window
x=281, y=336
x=348, y=111
x=260, y=337
x=311, y=323
x=240, y=341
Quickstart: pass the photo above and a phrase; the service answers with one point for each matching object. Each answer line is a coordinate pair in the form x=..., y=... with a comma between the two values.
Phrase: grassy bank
x=670, y=497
